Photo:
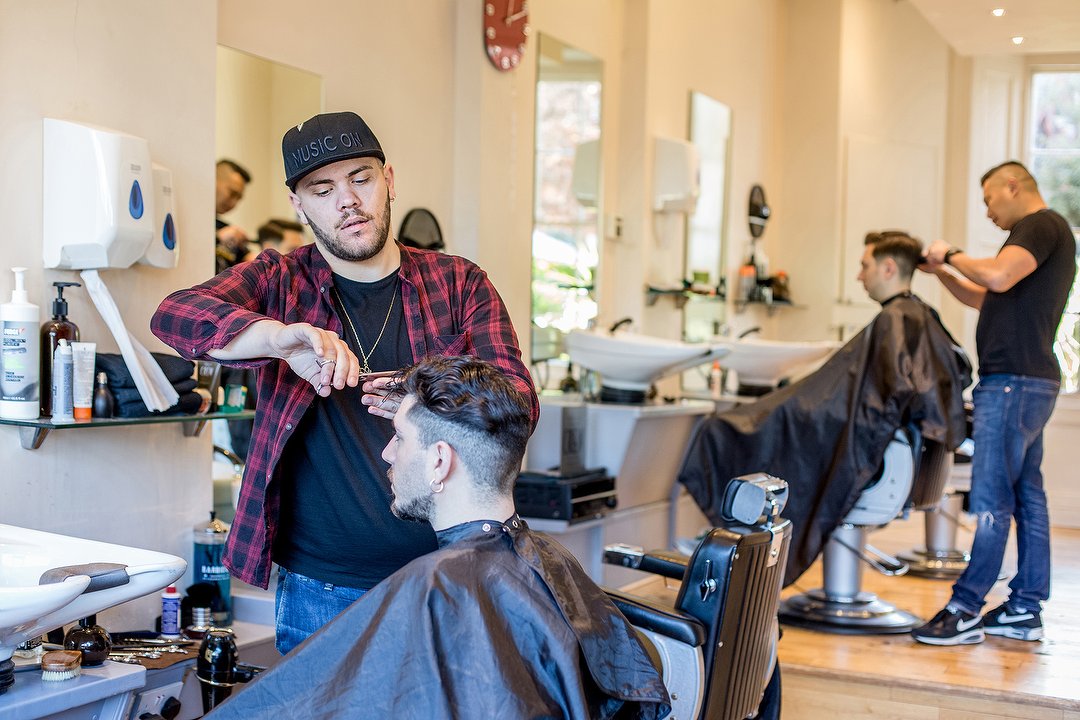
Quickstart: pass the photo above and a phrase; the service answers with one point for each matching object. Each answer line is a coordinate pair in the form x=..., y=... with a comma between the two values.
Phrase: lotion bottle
x=19, y=381
x=63, y=377
x=51, y=332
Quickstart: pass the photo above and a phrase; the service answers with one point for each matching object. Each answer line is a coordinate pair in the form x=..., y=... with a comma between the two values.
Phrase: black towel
x=188, y=404
x=114, y=367
x=127, y=395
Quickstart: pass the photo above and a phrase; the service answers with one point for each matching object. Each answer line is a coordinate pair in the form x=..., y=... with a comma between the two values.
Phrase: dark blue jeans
x=303, y=605
x=1007, y=483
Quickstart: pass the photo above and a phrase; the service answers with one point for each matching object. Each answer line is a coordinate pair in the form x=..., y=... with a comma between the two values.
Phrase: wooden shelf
x=32, y=433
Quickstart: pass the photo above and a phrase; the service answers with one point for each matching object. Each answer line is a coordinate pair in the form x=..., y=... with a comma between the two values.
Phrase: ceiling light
x=997, y=12
x=1018, y=39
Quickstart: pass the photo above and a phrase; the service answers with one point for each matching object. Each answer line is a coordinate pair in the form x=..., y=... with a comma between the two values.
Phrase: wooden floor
x=838, y=677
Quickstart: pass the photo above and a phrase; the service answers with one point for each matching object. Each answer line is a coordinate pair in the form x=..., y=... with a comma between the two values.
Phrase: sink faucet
x=620, y=323
x=229, y=455
x=749, y=331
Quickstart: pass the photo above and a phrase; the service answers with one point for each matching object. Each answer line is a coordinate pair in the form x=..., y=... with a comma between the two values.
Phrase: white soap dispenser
x=19, y=356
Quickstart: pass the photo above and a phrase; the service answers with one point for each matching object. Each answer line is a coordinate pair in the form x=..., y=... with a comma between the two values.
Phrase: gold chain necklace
x=365, y=368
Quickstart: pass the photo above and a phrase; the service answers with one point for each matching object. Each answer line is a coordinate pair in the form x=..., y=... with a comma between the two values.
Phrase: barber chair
x=912, y=476
x=940, y=558
x=717, y=646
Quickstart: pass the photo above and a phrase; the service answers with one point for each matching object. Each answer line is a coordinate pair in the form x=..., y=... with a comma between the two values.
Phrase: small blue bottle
x=170, y=613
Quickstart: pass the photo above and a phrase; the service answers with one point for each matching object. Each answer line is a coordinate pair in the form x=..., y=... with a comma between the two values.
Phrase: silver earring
x=436, y=485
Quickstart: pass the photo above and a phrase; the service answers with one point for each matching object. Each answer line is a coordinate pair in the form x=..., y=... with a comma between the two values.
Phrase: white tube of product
x=62, y=377
x=83, y=354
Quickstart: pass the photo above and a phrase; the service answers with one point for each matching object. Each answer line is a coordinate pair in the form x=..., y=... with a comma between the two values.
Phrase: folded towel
x=114, y=367
x=129, y=394
x=188, y=404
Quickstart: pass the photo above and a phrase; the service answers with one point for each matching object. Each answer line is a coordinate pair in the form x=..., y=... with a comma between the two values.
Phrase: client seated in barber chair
x=718, y=641
x=498, y=622
x=827, y=434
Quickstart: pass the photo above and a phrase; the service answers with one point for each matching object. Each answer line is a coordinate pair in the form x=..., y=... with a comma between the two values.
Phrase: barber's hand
x=934, y=257
x=232, y=237
x=318, y=356
x=382, y=396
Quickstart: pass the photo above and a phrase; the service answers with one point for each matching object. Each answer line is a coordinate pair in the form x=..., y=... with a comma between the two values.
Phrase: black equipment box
x=551, y=496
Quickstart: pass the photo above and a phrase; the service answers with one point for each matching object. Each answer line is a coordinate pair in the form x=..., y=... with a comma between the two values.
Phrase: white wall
x=146, y=69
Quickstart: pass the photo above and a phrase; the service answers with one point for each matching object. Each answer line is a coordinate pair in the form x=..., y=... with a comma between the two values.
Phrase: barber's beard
x=354, y=250
x=418, y=508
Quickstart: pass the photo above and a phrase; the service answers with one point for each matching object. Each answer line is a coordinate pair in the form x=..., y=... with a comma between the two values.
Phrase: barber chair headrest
x=755, y=499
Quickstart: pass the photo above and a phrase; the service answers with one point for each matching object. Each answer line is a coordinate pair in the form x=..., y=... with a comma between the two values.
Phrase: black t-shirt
x=335, y=523
x=1016, y=328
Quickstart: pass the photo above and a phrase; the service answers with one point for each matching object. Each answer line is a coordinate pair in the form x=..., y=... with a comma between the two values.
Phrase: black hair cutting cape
x=826, y=434
x=499, y=622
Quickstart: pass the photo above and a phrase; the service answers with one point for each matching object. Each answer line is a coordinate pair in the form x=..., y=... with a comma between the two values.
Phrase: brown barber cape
x=499, y=622
x=826, y=434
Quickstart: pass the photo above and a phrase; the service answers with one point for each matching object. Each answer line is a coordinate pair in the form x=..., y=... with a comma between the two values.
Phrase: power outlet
x=150, y=701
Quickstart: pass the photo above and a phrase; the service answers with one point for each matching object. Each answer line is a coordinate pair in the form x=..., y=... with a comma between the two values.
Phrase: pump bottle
x=51, y=332
x=19, y=357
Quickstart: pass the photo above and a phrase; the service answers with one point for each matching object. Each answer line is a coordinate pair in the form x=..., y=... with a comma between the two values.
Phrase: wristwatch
x=949, y=253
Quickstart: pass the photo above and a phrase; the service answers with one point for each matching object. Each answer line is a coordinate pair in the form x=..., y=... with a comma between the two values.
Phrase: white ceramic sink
x=28, y=608
x=630, y=361
x=767, y=362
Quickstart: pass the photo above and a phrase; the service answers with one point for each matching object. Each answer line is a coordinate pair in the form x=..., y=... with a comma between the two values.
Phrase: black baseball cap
x=325, y=139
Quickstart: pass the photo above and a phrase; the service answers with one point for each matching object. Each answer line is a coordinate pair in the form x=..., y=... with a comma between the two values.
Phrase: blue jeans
x=1006, y=483
x=303, y=605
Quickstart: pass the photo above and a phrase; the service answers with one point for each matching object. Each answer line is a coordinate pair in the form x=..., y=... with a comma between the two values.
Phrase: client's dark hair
x=471, y=405
x=900, y=246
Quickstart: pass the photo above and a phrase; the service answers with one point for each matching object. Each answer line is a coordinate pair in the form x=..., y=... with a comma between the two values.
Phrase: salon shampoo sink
x=81, y=577
x=630, y=361
x=764, y=363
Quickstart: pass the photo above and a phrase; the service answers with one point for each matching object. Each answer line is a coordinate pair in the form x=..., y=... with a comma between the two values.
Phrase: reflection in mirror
x=710, y=132
x=565, y=237
x=257, y=100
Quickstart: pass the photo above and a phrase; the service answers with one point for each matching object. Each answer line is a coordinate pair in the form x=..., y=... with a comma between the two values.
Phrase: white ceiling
x=1048, y=26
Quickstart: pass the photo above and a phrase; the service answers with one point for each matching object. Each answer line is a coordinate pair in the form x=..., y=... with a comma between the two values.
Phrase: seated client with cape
x=498, y=622
x=826, y=435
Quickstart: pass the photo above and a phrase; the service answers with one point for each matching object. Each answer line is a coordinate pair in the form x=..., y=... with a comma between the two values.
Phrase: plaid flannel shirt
x=450, y=307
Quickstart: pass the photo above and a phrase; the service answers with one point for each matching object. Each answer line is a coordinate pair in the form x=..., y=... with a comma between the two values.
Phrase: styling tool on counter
x=91, y=640
x=217, y=668
x=61, y=665
x=52, y=331
x=19, y=381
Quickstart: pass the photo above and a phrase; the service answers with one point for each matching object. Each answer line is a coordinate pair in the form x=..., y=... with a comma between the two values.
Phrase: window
x=1054, y=151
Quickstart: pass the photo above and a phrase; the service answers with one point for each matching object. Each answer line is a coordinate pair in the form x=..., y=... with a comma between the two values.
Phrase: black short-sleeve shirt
x=1016, y=328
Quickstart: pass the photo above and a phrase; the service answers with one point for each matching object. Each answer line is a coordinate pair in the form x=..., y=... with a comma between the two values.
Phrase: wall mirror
x=257, y=100
x=566, y=203
x=706, y=228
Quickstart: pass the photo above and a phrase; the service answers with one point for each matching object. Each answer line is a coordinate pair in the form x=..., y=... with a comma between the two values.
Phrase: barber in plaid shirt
x=315, y=497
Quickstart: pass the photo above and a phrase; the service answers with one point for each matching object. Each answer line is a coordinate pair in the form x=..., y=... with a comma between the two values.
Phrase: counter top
x=31, y=697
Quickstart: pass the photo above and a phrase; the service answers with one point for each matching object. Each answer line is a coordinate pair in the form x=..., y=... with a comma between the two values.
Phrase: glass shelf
x=770, y=307
x=33, y=432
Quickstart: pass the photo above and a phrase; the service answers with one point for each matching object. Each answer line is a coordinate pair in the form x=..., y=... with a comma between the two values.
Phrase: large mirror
x=566, y=205
x=710, y=132
x=257, y=100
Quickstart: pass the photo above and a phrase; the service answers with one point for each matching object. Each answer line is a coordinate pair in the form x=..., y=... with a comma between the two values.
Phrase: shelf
x=680, y=295
x=32, y=433
x=770, y=307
